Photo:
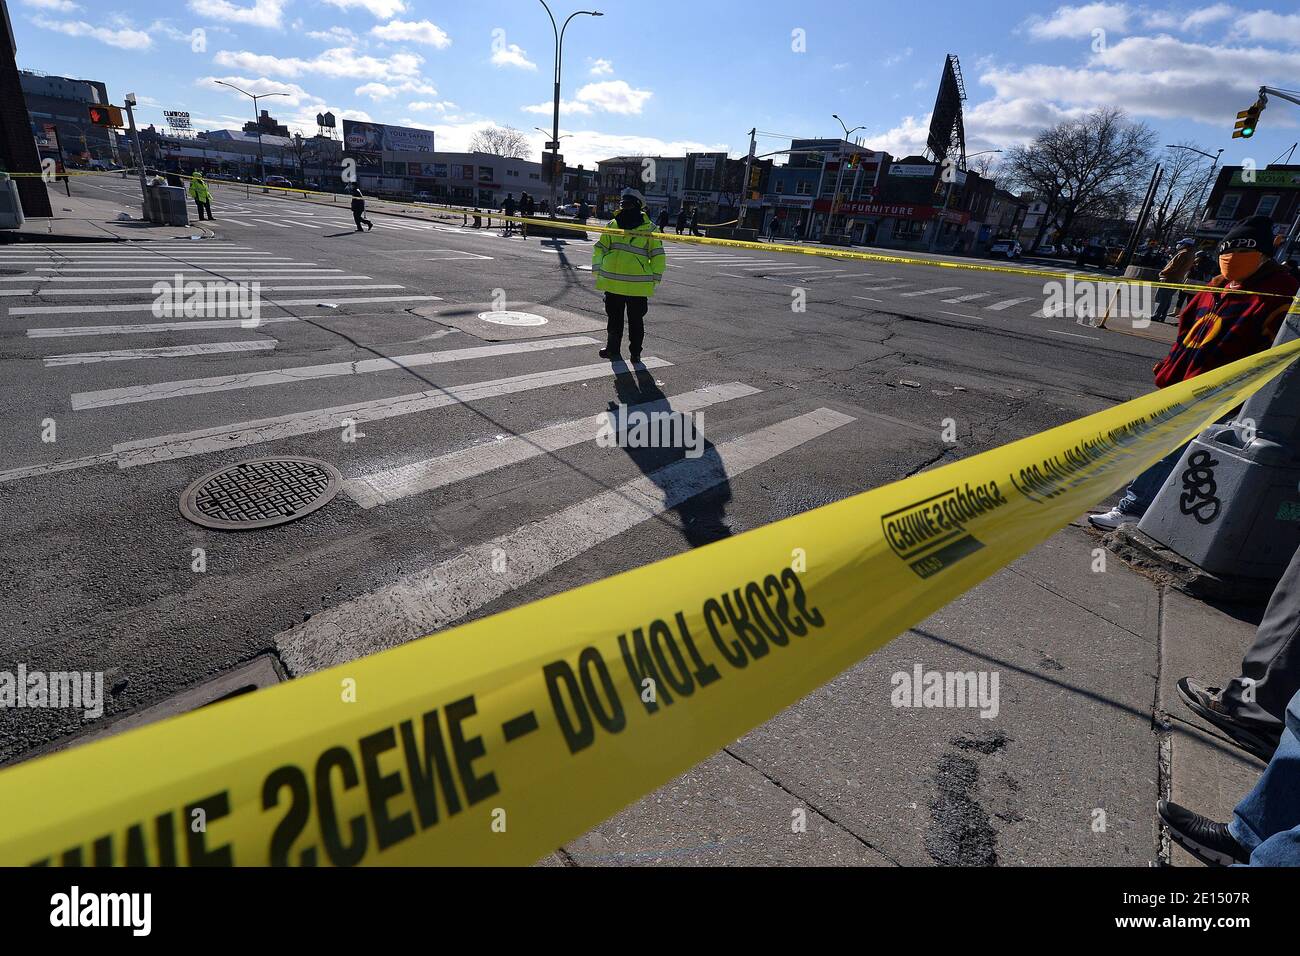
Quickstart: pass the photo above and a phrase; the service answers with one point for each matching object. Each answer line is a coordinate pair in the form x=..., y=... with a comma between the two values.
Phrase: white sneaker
x=1111, y=520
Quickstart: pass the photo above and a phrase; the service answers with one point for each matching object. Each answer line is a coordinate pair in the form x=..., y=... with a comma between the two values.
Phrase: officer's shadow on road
x=703, y=516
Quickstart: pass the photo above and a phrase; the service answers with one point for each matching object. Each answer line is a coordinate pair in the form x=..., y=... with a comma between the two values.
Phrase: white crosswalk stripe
x=303, y=373
x=941, y=289
x=1006, y=304
x=968, y=298
x=169, y=351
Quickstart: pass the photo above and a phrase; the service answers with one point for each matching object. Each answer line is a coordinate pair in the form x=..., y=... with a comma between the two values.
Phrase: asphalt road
x=100, y=566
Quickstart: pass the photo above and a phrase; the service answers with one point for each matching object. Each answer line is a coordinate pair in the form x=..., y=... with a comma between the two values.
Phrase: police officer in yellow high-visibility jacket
x=202, y=195
x=628, y=266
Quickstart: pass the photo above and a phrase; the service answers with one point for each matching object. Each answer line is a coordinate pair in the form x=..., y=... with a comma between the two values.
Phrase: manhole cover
x=259, y=493
x=506, y=317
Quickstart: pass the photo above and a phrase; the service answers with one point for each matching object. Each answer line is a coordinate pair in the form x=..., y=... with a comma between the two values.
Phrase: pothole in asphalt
x=508, y=317
x=259, y=493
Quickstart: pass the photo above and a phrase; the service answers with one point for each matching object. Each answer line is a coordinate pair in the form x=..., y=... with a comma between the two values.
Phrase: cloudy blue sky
x=671, y=75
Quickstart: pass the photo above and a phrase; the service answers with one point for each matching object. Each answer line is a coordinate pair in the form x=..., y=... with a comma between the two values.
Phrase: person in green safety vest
x=628, y=266
x=202, y=195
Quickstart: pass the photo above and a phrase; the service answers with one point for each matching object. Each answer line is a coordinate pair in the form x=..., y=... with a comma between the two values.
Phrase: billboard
x=377, y=137
x=177, y=119
x=947, y=129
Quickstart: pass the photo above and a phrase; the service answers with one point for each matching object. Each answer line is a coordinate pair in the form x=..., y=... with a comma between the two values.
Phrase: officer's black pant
x=360, y=216
x=636, y=307
x=205, y=206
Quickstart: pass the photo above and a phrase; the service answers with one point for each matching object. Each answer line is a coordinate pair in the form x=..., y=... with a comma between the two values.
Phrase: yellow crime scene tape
x=497, y=741
x=823, y=252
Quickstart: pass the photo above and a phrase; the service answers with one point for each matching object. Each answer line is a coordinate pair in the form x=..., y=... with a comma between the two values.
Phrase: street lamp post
x=257, y=121
x=559, y=53
x=947, y=197
x=839, y=178
x=1214, y=164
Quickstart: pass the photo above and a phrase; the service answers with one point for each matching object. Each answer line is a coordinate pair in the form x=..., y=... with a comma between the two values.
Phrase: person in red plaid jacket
x=1237, y=316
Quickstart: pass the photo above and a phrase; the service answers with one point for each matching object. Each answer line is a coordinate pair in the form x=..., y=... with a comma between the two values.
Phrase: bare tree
x=1083, y=168
x=500, y=141
x=1180, y=187
x=986, y=167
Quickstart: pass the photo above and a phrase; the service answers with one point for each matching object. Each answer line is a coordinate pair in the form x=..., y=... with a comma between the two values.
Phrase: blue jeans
x=1139, y=495
x=1267, y=821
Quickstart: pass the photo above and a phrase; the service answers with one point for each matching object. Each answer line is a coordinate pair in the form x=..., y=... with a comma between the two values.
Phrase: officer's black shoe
x=370, y=225
x=605, y=353
x=1209, y=842
x=635, y=357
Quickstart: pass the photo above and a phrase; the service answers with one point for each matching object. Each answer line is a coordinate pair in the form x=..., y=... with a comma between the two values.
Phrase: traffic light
x=109, y=116
x=1248, y=119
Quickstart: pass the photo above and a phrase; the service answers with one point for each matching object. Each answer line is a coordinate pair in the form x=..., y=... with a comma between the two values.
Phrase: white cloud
x=567, y=107
x=602, y=67
x=263, y=13
x=125, y=39
x=382, y=9
x=614, y=96
x=334, y=35
x=511, y=54
x=424, y=105
x=1266, y=25
x=335, y=62
x=897, y=58
x=413, y=31
x=1079, y=22
x=59, y=6
x=1203, y=17
x=384, y=91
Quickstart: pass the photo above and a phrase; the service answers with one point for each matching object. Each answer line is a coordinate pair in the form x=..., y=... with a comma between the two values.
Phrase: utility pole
x=1156, y=175
x=744, y=183
x=135, y=144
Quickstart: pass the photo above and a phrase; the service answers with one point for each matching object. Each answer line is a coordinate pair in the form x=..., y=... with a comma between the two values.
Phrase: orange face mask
x=1238, y=266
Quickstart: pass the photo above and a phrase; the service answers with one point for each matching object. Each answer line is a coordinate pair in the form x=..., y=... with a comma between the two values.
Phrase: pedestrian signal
x=109, y=116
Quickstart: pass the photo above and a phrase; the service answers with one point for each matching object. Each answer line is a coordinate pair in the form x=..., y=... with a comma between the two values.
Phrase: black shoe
x=612, y=355
x=370, y=226
x=635, y=357
x=1207, y=703
x=1209, y=842
x=359, y=229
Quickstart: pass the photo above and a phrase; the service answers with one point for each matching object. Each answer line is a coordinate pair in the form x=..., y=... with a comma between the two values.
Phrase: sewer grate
x=259, y=493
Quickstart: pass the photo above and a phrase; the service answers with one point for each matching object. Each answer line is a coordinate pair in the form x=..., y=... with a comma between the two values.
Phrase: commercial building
x=1239, y=193
x=62, y=104
x=17, y=147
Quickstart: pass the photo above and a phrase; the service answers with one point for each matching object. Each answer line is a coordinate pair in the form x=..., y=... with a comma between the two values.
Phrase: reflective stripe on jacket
x=630, y=262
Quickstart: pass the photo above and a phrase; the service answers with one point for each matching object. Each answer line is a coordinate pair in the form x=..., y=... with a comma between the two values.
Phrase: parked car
x=568, y=209
x=1095, y=254
x=423, y=195
x=1005, y=249
x=1046, y=250
x=281, y=182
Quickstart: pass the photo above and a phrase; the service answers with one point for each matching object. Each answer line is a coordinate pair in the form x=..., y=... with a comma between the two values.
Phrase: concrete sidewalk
x=1088, y=735
x=78, y=219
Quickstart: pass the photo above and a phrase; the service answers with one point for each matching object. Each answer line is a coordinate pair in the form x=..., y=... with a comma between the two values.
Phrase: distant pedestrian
x=662, y=224
x=1174, y=272
x=202, y=195
x=681, y=220
x=527, y=209
x=773, y=227
x=584, y=212
x=509, y=206
x=628, y=268
x=695, y=221
x=359, y=208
